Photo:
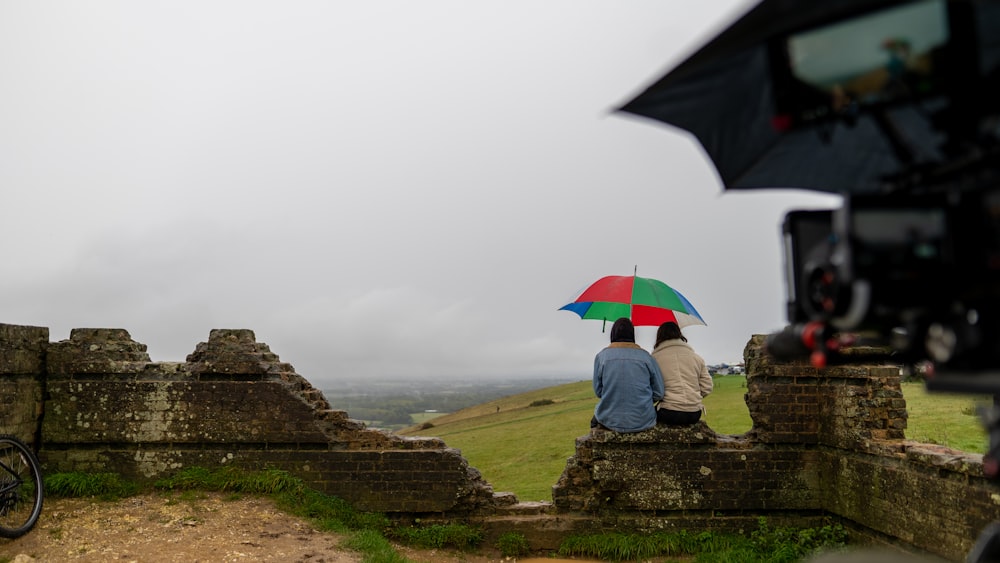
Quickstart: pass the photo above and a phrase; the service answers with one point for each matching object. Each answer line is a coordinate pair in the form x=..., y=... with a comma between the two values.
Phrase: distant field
x=519, y=448
x=521, y=443
x=945, y=419
x=725, y=409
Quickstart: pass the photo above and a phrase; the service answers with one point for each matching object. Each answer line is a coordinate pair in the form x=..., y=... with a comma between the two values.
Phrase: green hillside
x=521, y=443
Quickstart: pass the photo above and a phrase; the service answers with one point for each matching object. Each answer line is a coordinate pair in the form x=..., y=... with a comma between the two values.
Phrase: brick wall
x=673, y=478
x=22, y=380
x=923, y=495
x=824, y=443
x=841, y=406
x=234, y=403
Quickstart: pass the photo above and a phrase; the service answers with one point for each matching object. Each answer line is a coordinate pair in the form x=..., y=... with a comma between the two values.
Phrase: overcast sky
x=376, y=189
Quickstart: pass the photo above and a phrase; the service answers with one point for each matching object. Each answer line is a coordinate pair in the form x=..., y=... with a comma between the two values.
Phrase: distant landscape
x=395, y=403
x=392, y=404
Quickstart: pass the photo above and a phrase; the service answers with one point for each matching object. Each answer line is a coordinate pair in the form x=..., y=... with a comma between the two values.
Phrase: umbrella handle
x=604, y=324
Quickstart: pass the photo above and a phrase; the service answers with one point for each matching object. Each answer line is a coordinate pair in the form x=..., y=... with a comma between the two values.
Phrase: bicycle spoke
x=20, y=489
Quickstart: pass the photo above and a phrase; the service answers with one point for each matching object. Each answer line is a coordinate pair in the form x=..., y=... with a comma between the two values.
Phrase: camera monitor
x=874, y=60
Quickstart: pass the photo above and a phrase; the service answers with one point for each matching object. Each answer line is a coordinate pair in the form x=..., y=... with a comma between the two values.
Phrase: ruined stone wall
x=107, y=408
x=923, y=495
x=845, y=407
x=824, y=443
x=22, y=380
x=930, y=497
x=689, y=478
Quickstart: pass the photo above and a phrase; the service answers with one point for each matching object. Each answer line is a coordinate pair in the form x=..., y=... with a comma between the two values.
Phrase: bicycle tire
x=21, y=488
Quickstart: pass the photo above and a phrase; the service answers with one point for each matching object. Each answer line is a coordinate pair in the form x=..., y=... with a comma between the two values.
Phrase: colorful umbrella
x=646, y=301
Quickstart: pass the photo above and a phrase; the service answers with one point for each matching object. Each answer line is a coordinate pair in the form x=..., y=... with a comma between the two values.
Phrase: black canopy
x=725, y=95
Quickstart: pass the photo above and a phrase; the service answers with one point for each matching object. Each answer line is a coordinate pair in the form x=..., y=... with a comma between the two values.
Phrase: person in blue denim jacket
x=627, y=382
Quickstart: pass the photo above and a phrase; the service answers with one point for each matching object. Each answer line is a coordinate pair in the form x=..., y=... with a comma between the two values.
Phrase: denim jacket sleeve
x=656, y=380
x=598, y=377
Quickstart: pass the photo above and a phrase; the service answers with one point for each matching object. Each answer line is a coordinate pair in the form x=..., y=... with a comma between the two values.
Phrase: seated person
x=627, y=383
x=686, y=380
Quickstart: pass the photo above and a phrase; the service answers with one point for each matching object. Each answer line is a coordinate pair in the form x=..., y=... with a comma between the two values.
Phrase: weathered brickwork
x=825, y=443
x=22, y=380
x=685, y=468
x=233, y=402
x=924, y=495
x=841, y=406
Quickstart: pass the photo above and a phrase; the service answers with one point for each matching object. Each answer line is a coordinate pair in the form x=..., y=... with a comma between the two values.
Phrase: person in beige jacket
x=685, y=377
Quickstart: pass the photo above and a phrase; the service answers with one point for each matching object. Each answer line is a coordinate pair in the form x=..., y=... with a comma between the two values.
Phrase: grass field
x=521, y=443
x=946, y=419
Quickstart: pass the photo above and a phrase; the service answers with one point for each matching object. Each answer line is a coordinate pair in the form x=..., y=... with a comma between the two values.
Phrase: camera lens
x=823, y=291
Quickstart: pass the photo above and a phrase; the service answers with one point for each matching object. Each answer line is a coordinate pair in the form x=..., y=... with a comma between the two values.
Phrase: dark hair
x=669, y=331
x=623, y=331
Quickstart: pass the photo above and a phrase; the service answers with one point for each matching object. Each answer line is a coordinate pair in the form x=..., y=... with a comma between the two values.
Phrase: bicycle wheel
x=21, y=490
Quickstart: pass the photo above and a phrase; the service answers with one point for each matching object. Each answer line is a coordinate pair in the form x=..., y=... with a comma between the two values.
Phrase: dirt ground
x=215, y=528
x=200, y=527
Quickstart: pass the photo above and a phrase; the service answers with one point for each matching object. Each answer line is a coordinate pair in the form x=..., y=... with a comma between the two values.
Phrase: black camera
x=911, y=262
x=917, y=274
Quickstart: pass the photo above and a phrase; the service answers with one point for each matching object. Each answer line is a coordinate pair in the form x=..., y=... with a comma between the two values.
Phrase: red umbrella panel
x=646, y=301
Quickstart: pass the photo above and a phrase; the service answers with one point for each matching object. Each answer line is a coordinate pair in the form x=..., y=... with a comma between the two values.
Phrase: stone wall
x=825, y=443
x=685, y=469
x=232, y=403
x=22, y=380
x=916, y=494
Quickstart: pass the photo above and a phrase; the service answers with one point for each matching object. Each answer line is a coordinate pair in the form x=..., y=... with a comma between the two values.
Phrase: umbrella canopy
x=646, y=301
x=748, y=98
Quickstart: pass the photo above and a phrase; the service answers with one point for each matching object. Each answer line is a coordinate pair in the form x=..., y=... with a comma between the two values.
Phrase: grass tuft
x=230, y=479
x=105, y=486
x=436, y=536
x=766, y=544
x=513, y=544
x=329, y=512
x=374, y=547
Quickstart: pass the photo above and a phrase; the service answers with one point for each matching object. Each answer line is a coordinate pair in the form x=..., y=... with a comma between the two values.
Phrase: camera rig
x=916, y=273
x=913, y=269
